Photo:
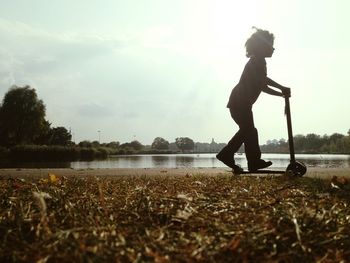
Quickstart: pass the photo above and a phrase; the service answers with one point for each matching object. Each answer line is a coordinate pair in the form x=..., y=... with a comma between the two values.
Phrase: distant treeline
x=311, y=143
x=85, y=151
x=57, y=153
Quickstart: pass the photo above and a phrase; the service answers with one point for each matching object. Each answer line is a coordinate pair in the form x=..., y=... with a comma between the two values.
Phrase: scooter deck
x=261, y=172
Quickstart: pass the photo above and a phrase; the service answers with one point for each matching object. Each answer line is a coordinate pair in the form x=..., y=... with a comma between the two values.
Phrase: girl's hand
x=286, y=92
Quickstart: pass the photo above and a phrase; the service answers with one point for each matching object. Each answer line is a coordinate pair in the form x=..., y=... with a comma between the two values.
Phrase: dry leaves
x=174, y=219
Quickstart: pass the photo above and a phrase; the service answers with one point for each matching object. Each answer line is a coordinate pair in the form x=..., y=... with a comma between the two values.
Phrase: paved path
x=37, y=173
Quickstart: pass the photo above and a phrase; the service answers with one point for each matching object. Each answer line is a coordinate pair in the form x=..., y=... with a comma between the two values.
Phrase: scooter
x=295, y=168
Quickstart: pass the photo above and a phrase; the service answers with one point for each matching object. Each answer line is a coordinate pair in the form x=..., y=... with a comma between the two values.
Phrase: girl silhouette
x=253, y=81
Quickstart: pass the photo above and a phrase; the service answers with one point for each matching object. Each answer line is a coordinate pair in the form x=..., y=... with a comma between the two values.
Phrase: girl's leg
x=238, y=115
x=251, y=143
x=226, y=155
x=249, y=135
x=233, y=145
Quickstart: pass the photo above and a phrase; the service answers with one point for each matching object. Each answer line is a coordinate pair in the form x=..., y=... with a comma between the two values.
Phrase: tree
x=95, y=144
x=85, y=144
x=60, y=136
x=113, y=145
x=335, y=137
x=22, y=116
x=44, y=136
x=160, y=144
x=136, y=145
x=184, y=144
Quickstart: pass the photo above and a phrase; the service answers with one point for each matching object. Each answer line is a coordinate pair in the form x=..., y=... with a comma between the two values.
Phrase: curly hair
x=258, y=40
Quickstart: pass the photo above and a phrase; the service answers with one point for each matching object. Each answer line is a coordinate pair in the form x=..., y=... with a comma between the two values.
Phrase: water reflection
x=312, y=160
x=184, y=161
x=160, y=160
x=280, y=161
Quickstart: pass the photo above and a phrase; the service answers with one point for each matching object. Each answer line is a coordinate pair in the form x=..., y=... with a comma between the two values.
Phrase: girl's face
x=265, y=50
x=269, y=50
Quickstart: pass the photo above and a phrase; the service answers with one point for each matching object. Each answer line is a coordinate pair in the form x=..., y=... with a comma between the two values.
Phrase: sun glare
x=234, y=19
x=220, y=28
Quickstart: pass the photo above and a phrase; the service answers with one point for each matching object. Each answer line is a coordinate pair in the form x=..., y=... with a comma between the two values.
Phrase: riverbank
x=312, y=172
x=172, y=215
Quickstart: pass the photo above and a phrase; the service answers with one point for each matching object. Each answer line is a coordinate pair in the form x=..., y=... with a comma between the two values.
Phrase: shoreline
x=312, y=172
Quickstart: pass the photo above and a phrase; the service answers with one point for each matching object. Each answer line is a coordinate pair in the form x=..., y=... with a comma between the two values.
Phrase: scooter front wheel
x=297, y=169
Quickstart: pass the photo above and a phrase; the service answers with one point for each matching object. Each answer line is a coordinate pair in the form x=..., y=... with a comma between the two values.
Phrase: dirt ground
x=173, y=215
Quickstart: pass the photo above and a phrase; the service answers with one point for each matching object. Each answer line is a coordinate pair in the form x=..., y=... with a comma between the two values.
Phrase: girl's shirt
x=250, y=85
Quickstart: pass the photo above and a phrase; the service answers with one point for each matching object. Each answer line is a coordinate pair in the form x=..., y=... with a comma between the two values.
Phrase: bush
x=106, y=150
x=126, y=151
x=44, y=153
x=3, y=152
x=102, y=153
x=87, y=154
x=55, y=153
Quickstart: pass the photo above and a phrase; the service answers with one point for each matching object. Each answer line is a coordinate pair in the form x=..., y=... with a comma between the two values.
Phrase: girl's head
x=260, y=44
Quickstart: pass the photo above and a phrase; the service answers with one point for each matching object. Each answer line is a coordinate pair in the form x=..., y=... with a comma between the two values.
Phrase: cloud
x=93, y=110
x=37, y=50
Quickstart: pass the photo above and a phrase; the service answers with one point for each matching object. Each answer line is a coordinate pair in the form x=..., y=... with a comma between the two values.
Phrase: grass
x=193, y=218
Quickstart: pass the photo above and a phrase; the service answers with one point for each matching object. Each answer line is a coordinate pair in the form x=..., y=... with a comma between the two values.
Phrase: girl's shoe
x=237, y=169
x=260, y=164
x=230, y=163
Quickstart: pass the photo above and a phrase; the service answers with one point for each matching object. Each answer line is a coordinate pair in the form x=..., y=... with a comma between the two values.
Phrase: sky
x=123, y=70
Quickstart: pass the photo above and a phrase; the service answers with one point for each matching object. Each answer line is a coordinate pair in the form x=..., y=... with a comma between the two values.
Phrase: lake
x=280, y=161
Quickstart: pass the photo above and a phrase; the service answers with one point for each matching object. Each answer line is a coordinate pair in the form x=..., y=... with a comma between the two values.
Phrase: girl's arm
x=272, y=91
x=270, y=82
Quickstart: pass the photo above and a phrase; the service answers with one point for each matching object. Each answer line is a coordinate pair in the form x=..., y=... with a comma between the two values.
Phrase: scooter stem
x=290, y=132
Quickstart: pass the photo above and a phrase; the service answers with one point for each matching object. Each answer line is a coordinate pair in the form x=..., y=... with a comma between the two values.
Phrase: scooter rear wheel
x=297, y=168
